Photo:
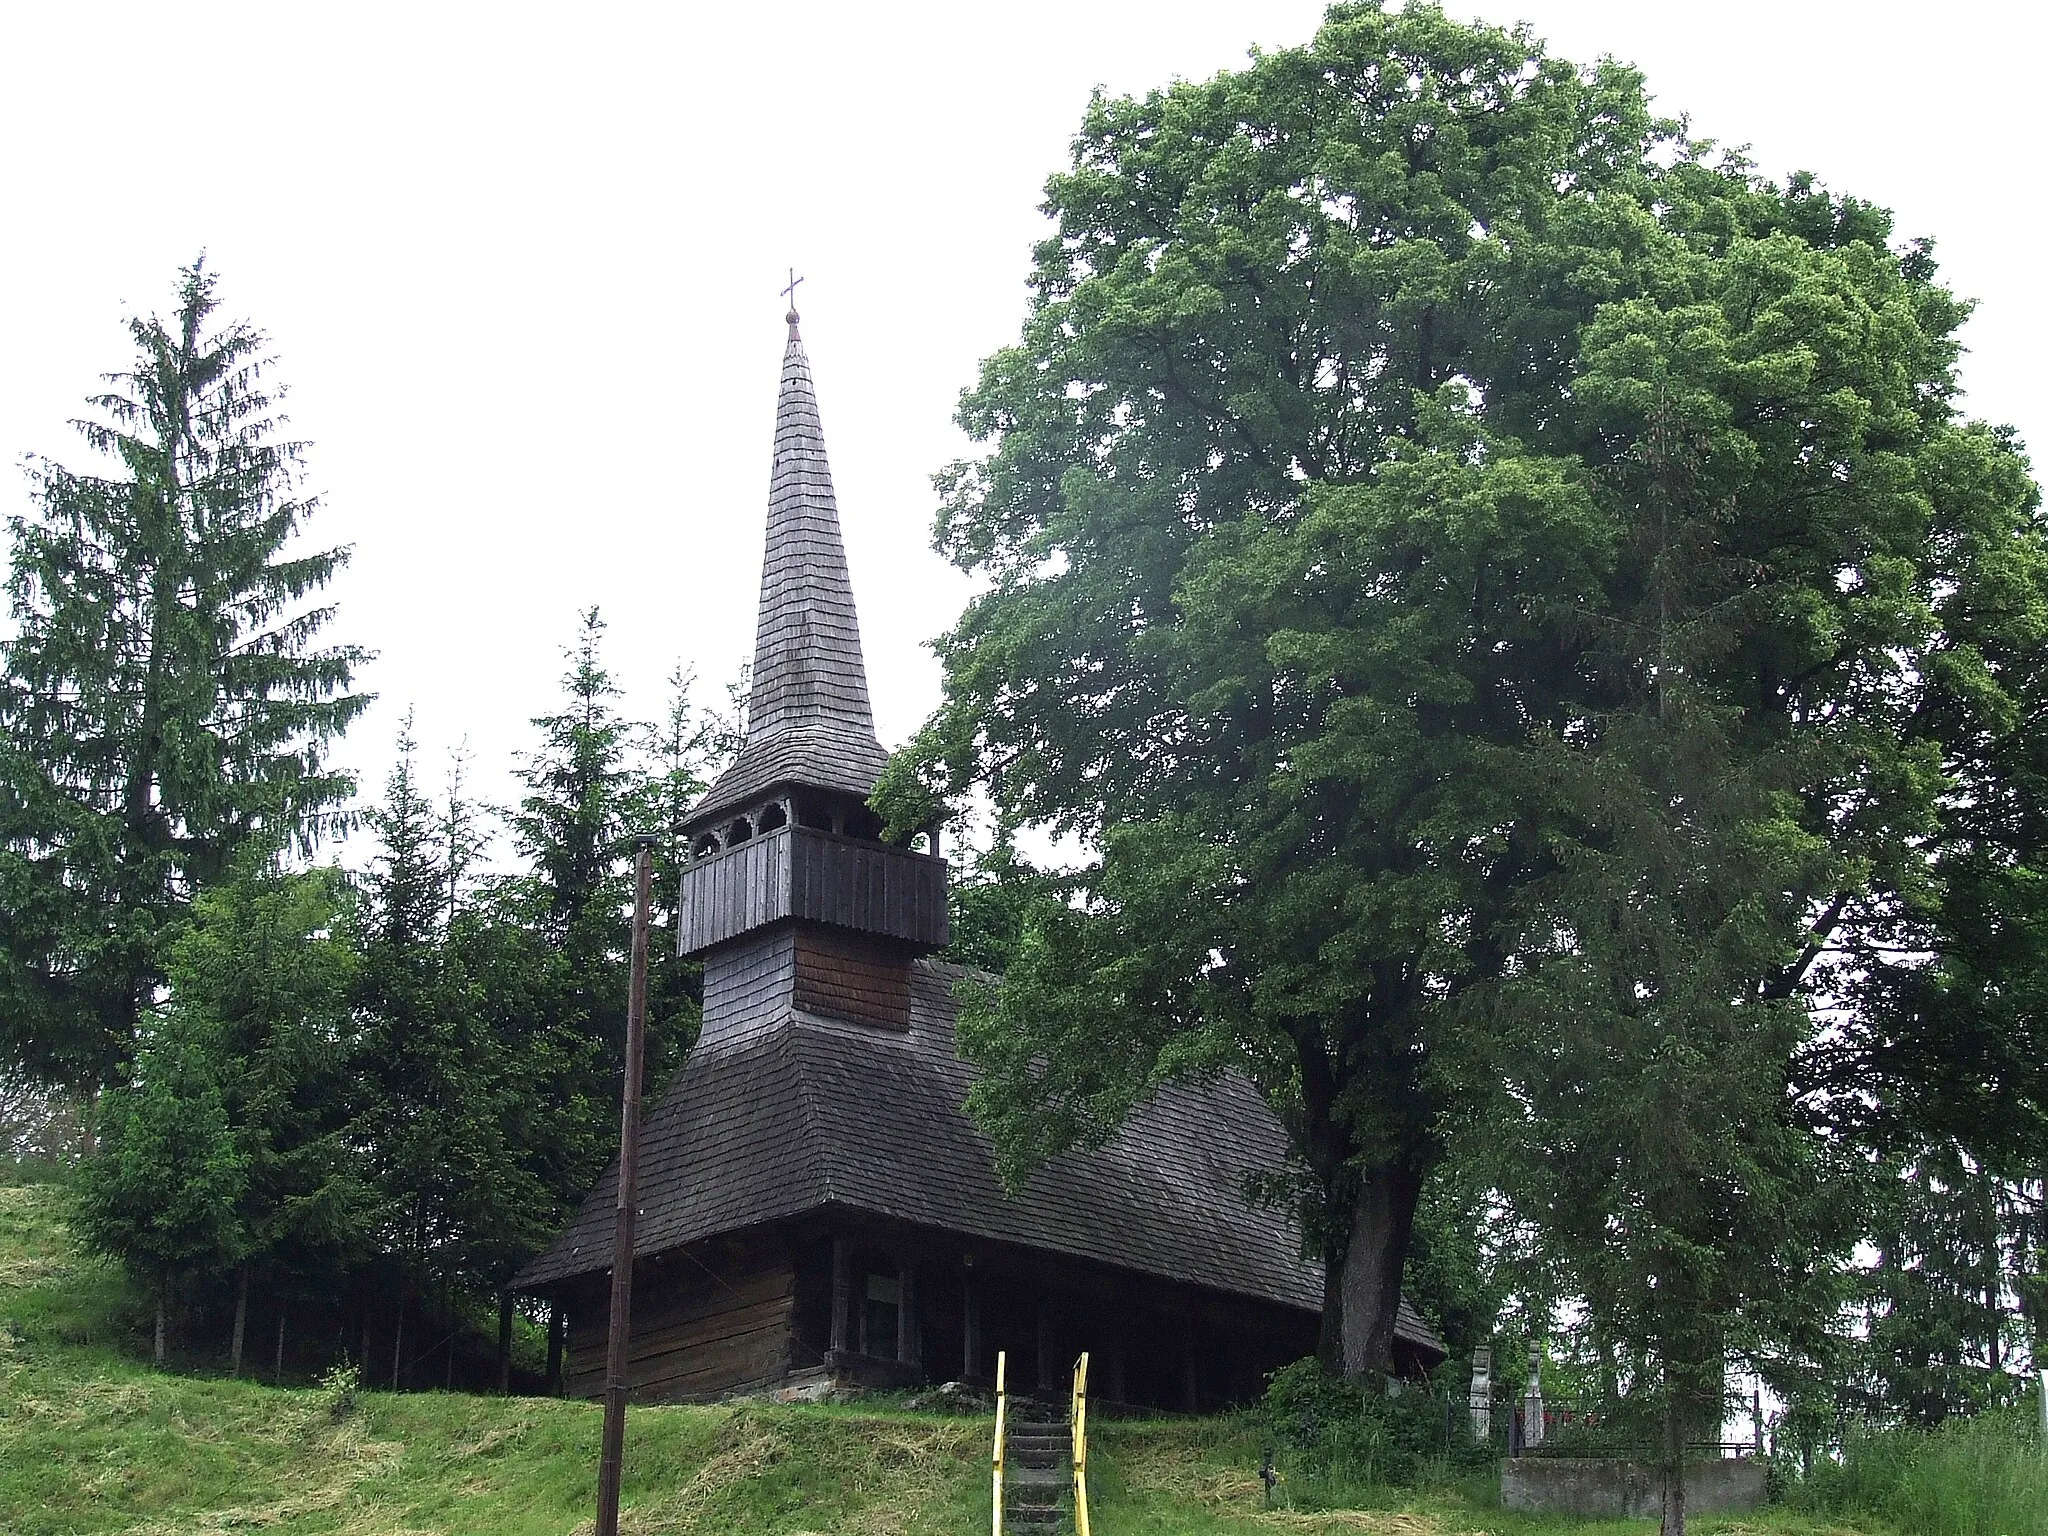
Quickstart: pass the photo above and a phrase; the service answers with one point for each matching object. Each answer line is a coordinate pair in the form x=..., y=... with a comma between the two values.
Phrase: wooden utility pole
x=610, y=1466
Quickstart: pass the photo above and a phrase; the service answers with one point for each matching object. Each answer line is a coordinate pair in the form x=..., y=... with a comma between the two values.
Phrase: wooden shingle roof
x=809, y=1112
x=808, y=717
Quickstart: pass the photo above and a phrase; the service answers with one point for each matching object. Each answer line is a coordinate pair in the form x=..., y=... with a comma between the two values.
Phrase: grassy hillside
x=93, y=1441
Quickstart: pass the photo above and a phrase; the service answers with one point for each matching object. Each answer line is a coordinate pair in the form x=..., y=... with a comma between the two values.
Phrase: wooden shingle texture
x=814, y=1112
x=808, y=717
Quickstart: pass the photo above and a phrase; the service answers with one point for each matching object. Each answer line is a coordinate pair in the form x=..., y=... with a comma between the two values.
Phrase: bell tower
x=790, y=895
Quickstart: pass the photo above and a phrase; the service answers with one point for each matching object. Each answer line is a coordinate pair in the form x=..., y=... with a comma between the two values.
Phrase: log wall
x=696, y=1335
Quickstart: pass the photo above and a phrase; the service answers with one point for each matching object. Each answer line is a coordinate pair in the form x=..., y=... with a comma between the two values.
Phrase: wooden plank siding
x=696, y=1335
x=815, y=876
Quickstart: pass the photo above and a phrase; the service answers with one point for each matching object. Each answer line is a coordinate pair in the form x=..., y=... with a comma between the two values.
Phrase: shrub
x=340, y=1386
x=1337, y=1434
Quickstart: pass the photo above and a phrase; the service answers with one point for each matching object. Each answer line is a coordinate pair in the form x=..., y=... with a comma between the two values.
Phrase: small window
x=738, y=832
x=879, y=1316
x=706, y=845
x=773, y=817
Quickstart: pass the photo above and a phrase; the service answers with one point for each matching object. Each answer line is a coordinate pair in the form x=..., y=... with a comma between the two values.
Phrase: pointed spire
x=808, y=717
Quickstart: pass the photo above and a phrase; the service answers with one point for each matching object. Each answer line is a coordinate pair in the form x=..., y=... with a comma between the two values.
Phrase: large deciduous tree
x=163, y=697
x=1406, y=426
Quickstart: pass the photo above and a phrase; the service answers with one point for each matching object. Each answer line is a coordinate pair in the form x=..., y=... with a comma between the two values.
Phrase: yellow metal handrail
x=1002, y=1405
x=1080, y=1421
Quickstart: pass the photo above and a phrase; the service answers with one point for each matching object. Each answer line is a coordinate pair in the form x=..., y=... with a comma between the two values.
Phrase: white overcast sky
x=520, y=265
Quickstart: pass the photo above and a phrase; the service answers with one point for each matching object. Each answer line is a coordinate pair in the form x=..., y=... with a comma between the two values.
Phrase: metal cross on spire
x=790, y=292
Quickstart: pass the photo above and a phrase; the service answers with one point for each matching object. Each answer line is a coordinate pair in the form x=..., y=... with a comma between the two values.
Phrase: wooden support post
x=907, y=1341
x=612, y=1463
x=504, y=1344
x=241, y=1318
x=970, y=1332
x=842, y=1283
x=1048, y=1369
x=558, y=1337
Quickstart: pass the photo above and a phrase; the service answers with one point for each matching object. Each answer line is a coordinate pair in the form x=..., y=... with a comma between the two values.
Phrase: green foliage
x=1986, y=1476
x=1338, y=1436
x=378, y=1103
x=1503, y=595
x=343, y=1386
x=994, y=894
x=456, y=1110
x=266, y=971
x=40, y=1128
x=164, y=1192
x=1940, y=1337
x=162, y=697
x=682, y=752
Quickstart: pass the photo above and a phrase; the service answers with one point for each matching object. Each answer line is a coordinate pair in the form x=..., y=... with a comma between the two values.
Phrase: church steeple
x=808, y=718
x=789, y=891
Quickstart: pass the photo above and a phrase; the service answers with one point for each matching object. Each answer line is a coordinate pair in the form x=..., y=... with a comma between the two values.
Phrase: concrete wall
x=1562, y=1485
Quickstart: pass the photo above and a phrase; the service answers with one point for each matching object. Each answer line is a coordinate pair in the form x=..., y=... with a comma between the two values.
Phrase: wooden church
x=816, y=1208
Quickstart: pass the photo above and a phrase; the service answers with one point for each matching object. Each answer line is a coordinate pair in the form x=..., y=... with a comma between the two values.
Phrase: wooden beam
x=841, y=1281
x=906, y=1312
x=970, y=1329
x=558, y=1335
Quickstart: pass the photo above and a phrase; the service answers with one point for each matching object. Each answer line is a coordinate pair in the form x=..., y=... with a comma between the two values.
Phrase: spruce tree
x=1952, y=1243
x=462, y=1116
x=163, y=1191
x=266, y=970
x=164, y=698
x=685, y=751
x=574, y=827
x=410, y=1060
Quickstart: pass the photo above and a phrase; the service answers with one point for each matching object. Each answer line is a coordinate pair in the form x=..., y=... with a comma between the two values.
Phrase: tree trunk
x=241, y=1320
x=163, y=1292
x=1382, y=1218
x=277, y=1370
x=504, y=1344
x=1994, y=1278
x=1330, y=1336
x=1674, y=1469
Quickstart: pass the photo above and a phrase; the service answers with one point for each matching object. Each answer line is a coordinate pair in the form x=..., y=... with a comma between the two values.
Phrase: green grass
x=92, y=1441
x=1971, y=1477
